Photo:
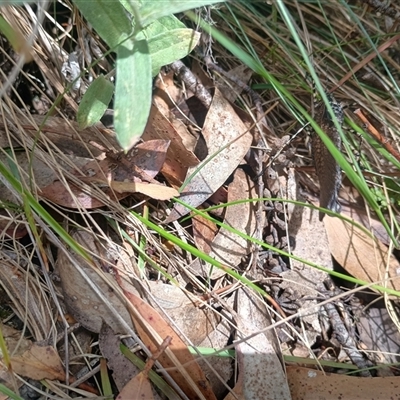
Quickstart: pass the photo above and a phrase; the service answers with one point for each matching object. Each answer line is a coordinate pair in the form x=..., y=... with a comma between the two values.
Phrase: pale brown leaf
x=228, y=140
x=227, y=247
x=39, y=363
x=138, y=388
x=204, y=231
x=258, y=356
x=361, y=255
x=158, y=192
x=311, y=384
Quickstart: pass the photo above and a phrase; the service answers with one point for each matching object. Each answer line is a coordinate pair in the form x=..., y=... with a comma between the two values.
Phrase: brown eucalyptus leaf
x=361, y=255
x=39, y=362
x=227, y=247
x=260, y=355
x=178, y=158
x=204, y=231
x=196, y=323
x=152, y=329
x=88, y=309
x=228, y=140
x=138, y=388
x=158, y=192
x=312, y=384
x=122, y=369
x=16, y=345
x=83, y=303
x=150, y=156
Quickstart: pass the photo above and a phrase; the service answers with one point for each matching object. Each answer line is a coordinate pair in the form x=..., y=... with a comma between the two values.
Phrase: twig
x=374, y=132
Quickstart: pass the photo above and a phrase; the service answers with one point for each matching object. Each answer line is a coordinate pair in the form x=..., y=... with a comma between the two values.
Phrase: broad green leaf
x=14, y=2
x=132, y=92
x=164, y=24
x=151, y=10
x=171, y=46
x=108, y=18
x=95, y=102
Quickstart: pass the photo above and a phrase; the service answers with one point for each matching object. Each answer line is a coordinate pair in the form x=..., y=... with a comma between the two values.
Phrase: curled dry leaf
x=360, y=254
x=178, y=158
x=227, y=247
x=117, y=175
x=228, y=140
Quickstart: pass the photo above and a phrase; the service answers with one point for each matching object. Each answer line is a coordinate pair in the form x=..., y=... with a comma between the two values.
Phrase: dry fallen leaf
x=361, y=255
x=183, y=367
x=178, y=158
x=122, y=369
x=16, y=345
x=81, y=300
x=87, y=308
x=228, y=140
x=311, y=384
x=39, y=362
x=158, y=192
x=138, y=388
x=258, y=356
x=227, y=247
x=122, y=173
x=204, y=231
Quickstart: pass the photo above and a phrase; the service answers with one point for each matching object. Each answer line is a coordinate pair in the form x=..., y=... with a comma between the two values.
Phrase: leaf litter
x=199, y=154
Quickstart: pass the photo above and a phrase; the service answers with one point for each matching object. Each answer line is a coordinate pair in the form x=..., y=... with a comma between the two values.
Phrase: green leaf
x=151, y=10
x=132, y=92
x=14, y=2
x=171, y=46
x=108, y=18
x=95, y=102
x=164, y=24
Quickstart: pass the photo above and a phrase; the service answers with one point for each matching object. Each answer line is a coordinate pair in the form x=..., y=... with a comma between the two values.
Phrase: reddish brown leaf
x=204, y=232
x=178, y=158
x=184, y=369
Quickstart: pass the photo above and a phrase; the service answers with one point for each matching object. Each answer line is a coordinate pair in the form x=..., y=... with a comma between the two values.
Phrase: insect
x=328, y=170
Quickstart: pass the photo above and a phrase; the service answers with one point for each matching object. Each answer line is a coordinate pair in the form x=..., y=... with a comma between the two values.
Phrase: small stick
x=380, y=138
